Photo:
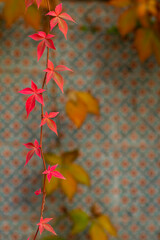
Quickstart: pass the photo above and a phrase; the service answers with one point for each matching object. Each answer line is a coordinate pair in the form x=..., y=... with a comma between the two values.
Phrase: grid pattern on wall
x=120, y=148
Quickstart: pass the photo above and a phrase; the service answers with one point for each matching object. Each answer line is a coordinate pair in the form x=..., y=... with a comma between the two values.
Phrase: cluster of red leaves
x=37, y=95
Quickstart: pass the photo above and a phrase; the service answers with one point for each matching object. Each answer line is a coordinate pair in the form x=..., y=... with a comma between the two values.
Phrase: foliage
x=98, y=225
x=37, y=95
x=79, y=104
x=141, y=17
x=15, y=9
x=73, y=173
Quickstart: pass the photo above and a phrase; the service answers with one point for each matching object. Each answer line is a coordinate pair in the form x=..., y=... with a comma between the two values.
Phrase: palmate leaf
x=80, y=220
x=73, y=173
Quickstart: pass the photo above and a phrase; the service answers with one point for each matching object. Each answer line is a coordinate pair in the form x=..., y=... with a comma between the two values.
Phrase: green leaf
x=52, y=158
x=80, y=220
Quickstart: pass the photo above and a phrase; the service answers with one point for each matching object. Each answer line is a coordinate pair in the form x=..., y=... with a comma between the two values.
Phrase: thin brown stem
x=36, y=234
x=41, y=137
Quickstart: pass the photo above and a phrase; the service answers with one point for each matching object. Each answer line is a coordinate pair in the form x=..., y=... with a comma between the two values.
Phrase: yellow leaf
x=105, y=223
x=69, y=157
x=97, y=233
x=79, y=174
x=68, y=186
x=32, y=17
x=52, y=158
x=143, y=43
x=90, y=102
x=76, y=111
x=120, y=3
x=156, y=47
x=13, y=10
x=127, y=21
x=51, y=186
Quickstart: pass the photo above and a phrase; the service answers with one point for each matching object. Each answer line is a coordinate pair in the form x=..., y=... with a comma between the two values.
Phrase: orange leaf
x=76, y=111
x=143, y=43
x=127, y=21
x=90, y=101
x=120, y=3
x=68, y=186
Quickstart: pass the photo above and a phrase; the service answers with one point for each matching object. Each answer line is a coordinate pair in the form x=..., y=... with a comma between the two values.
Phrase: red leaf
x=30, y=104
x=63, y=27
x=52, y=125
x=40, y=49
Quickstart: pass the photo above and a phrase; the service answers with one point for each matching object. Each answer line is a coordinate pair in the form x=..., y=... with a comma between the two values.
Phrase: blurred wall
x=120, y=149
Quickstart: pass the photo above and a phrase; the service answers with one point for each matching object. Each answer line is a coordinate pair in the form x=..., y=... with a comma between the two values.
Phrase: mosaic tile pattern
x=120, y=149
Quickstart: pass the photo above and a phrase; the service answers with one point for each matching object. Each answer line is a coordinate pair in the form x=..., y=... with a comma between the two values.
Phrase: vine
x=37, y=95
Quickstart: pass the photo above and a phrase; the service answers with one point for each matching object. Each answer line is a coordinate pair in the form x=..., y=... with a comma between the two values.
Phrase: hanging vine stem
x=37, y=95
x=41, y=137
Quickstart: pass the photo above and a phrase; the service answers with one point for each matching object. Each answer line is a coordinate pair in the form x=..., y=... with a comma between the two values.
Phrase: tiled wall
x=120, y=149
